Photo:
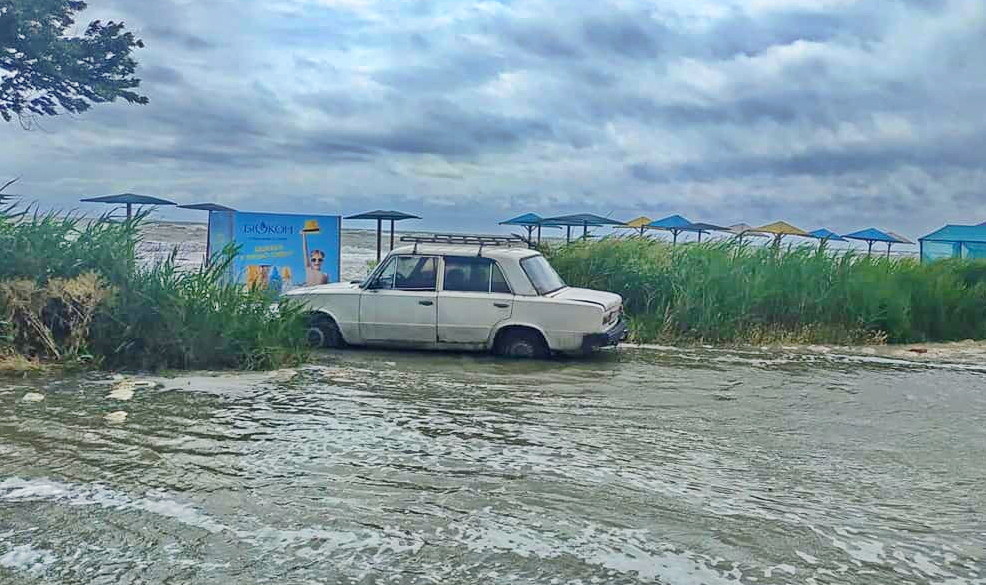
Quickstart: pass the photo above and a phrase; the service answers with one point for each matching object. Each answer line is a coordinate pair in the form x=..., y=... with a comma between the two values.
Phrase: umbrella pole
x=888, y=249
x=674, y=238
x=391, y=235
x=530, y=236
x=539, y=234
x=379, y=238
x=869, y=250
x=642, y=231
x=568, y=234
x=699, y=237
x=585, y=230
x=208, y=240
x=129, y=212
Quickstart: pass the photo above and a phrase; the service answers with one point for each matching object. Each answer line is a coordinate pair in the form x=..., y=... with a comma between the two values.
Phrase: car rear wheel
x=522, y=344
x=323, y=332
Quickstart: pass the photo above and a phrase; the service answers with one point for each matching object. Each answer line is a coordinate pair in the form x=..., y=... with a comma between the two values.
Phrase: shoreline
x=968, y=355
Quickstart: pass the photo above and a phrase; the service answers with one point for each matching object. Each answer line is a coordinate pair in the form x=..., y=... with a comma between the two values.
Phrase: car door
x=474, y=298
x=399, y=305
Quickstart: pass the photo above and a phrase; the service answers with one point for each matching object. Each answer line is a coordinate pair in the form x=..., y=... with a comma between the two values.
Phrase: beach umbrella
x=672, y=223
x=824, y=236
x=211, y=208
x=529, y=221
x=641, y=224
x=580, y=219
x=700, y=228
x=380, y=215
x=128, y=199
x=779, y=229
x=742, y=230
x=873, y=235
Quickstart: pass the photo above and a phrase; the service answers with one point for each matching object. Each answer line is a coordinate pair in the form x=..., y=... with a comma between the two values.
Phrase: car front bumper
x=612, y=336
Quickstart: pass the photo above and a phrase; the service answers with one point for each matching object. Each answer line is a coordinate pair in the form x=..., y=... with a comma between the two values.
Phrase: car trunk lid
x=607, y=300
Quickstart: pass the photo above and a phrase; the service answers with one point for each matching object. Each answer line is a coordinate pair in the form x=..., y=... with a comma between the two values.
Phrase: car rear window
x=542, y=275
x=464, y=274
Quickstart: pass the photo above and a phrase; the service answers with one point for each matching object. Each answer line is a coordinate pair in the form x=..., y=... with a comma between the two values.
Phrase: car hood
x=607, y=300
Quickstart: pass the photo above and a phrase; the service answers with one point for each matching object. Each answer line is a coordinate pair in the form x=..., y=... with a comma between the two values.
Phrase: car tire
x=521, y=344
x=323, y=332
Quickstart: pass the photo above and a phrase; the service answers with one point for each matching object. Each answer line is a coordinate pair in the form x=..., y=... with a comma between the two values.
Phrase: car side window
x=384, y=280
x=498, y=284
x=467, y=274
x=416, y=273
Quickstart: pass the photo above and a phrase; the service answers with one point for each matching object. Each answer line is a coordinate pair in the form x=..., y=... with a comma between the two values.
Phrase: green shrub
x=70, y=287
x=167, y=317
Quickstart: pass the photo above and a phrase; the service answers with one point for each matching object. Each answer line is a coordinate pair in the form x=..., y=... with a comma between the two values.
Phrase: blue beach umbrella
x=824, y=235
x=873, y=235
x=674, y=224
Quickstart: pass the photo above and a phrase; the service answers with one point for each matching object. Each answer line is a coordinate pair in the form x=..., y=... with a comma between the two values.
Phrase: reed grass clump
x=72, y=291
x=725, y=292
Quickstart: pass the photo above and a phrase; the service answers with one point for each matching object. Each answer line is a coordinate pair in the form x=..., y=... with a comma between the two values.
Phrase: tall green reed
x=734, y=293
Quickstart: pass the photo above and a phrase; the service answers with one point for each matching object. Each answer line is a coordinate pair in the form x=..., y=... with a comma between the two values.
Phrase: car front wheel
x=522, y=345
x=323, y=332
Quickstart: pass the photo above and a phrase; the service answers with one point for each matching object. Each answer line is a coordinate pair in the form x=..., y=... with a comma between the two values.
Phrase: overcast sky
x=835, y=113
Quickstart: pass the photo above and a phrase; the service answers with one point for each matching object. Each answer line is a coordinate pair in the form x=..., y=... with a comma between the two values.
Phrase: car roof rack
x=464, y=240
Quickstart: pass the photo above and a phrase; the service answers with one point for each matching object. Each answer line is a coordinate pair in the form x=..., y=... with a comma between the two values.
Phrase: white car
x=482, y=296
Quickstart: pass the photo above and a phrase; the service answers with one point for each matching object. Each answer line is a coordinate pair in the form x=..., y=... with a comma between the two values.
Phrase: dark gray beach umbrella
x=580, y=219
x=380, y=215
x=530, y=222
x=701, y=227
x=210, y=207
x=128, y=199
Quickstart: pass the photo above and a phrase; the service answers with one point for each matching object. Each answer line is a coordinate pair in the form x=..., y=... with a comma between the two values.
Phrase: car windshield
x=542, y=275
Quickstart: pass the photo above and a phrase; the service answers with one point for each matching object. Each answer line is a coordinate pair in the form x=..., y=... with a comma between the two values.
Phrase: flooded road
x=375, y=467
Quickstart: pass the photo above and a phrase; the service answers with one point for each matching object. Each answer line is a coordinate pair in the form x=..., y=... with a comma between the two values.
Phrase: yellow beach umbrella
x=780, y=229
x=640, y=223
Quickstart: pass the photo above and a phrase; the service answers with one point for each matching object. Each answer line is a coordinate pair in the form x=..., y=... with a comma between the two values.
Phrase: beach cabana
x=672, y=223
x=641, y=224
x=585, y=220
x=954, y=241
x=211, y=208
x=129, y=200
x=779, y=229
x=872, y=236
x=380, y=215
x=529, y=221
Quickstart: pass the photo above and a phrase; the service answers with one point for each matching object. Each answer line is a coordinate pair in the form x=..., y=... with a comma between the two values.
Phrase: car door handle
x=426, y=303
x=501, y=305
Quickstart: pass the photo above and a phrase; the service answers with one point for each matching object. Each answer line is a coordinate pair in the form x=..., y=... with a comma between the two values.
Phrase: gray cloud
x=844, y=115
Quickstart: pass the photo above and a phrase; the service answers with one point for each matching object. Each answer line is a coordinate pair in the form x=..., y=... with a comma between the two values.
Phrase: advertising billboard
x=280, y=251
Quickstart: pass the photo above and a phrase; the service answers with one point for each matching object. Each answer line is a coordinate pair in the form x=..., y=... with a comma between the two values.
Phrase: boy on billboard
x=313, y=269
x=315, y=260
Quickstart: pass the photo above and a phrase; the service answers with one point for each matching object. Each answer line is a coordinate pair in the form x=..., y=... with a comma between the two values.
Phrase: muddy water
x=634, y=467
